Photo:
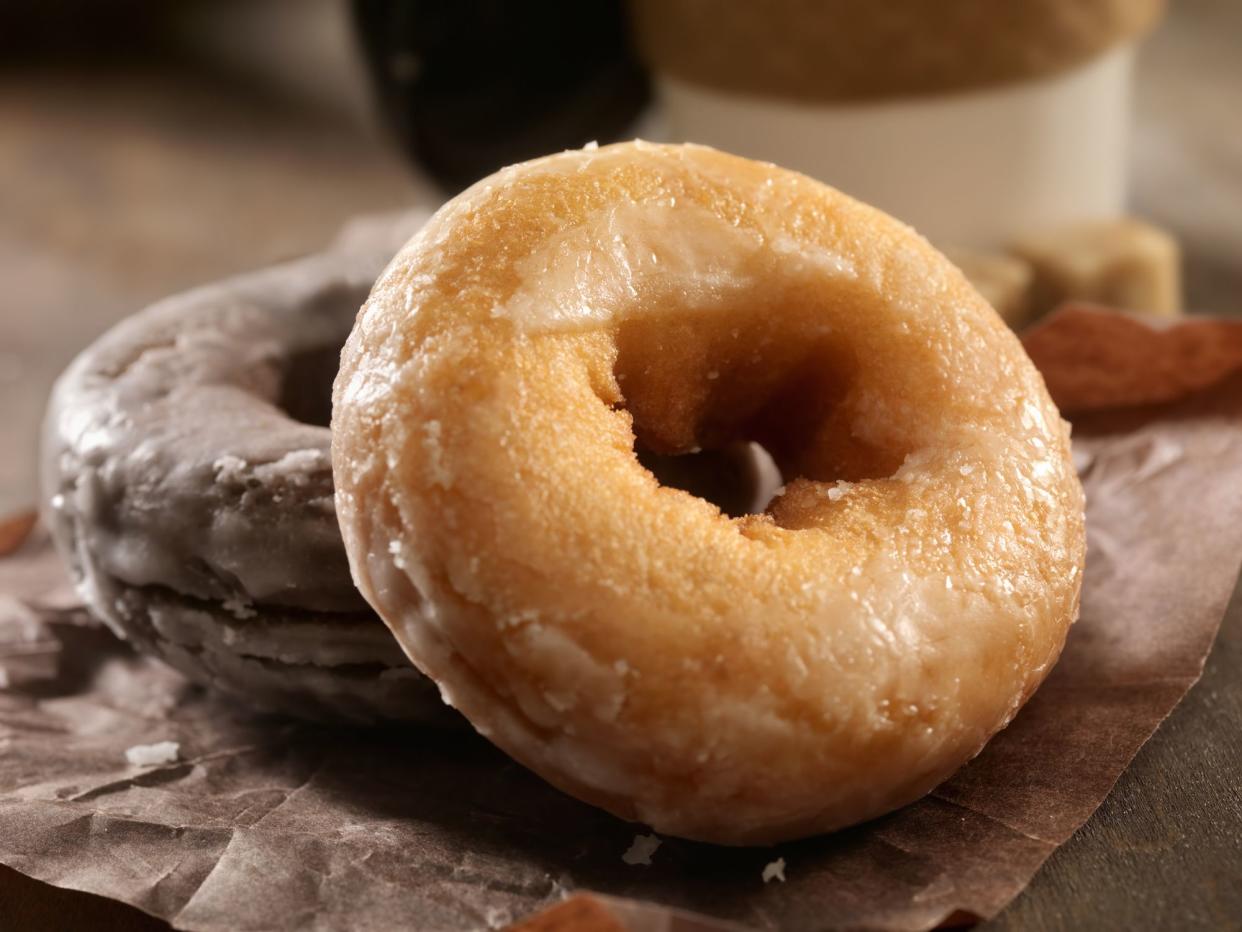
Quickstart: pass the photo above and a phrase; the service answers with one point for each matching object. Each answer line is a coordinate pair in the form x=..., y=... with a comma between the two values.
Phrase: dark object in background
x=471, y=86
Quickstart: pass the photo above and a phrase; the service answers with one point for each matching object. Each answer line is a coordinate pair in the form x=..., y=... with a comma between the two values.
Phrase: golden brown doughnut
x=737, y=680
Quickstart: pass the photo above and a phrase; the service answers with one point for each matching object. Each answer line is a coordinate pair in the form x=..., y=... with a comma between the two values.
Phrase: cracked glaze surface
x=737, y=680
x=195, y=509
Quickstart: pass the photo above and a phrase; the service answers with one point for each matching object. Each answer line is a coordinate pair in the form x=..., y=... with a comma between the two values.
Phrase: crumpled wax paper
x=268, y=824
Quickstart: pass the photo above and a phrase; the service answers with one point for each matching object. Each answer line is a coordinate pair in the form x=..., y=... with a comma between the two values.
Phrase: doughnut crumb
x=152, y=755
x=641, y=849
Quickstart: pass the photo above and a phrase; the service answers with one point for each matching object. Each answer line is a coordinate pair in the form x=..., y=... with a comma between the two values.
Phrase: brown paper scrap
x=266, y=824
x=15, y=530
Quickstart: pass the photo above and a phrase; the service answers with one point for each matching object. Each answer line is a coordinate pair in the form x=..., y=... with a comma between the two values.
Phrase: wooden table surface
x=121, y=186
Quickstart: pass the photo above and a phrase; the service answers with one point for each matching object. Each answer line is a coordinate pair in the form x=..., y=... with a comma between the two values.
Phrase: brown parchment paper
x=267, y=824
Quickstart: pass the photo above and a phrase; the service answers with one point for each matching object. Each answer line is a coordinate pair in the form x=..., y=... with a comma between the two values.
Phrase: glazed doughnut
x=188, y=485
x=730, y=679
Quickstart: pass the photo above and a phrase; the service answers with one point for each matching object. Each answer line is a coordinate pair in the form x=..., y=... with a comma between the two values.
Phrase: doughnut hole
x=306, y=384
x=722, y=403
x=739, y=478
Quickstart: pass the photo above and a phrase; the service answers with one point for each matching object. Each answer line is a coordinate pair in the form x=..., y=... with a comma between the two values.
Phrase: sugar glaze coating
x=188, y=486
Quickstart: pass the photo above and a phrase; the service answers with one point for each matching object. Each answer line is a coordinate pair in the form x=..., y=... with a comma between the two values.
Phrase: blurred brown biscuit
x=1123, y=263
x=825, y=50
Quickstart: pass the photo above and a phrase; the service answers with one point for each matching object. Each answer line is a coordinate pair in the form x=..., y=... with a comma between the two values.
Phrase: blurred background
x=146, y=147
